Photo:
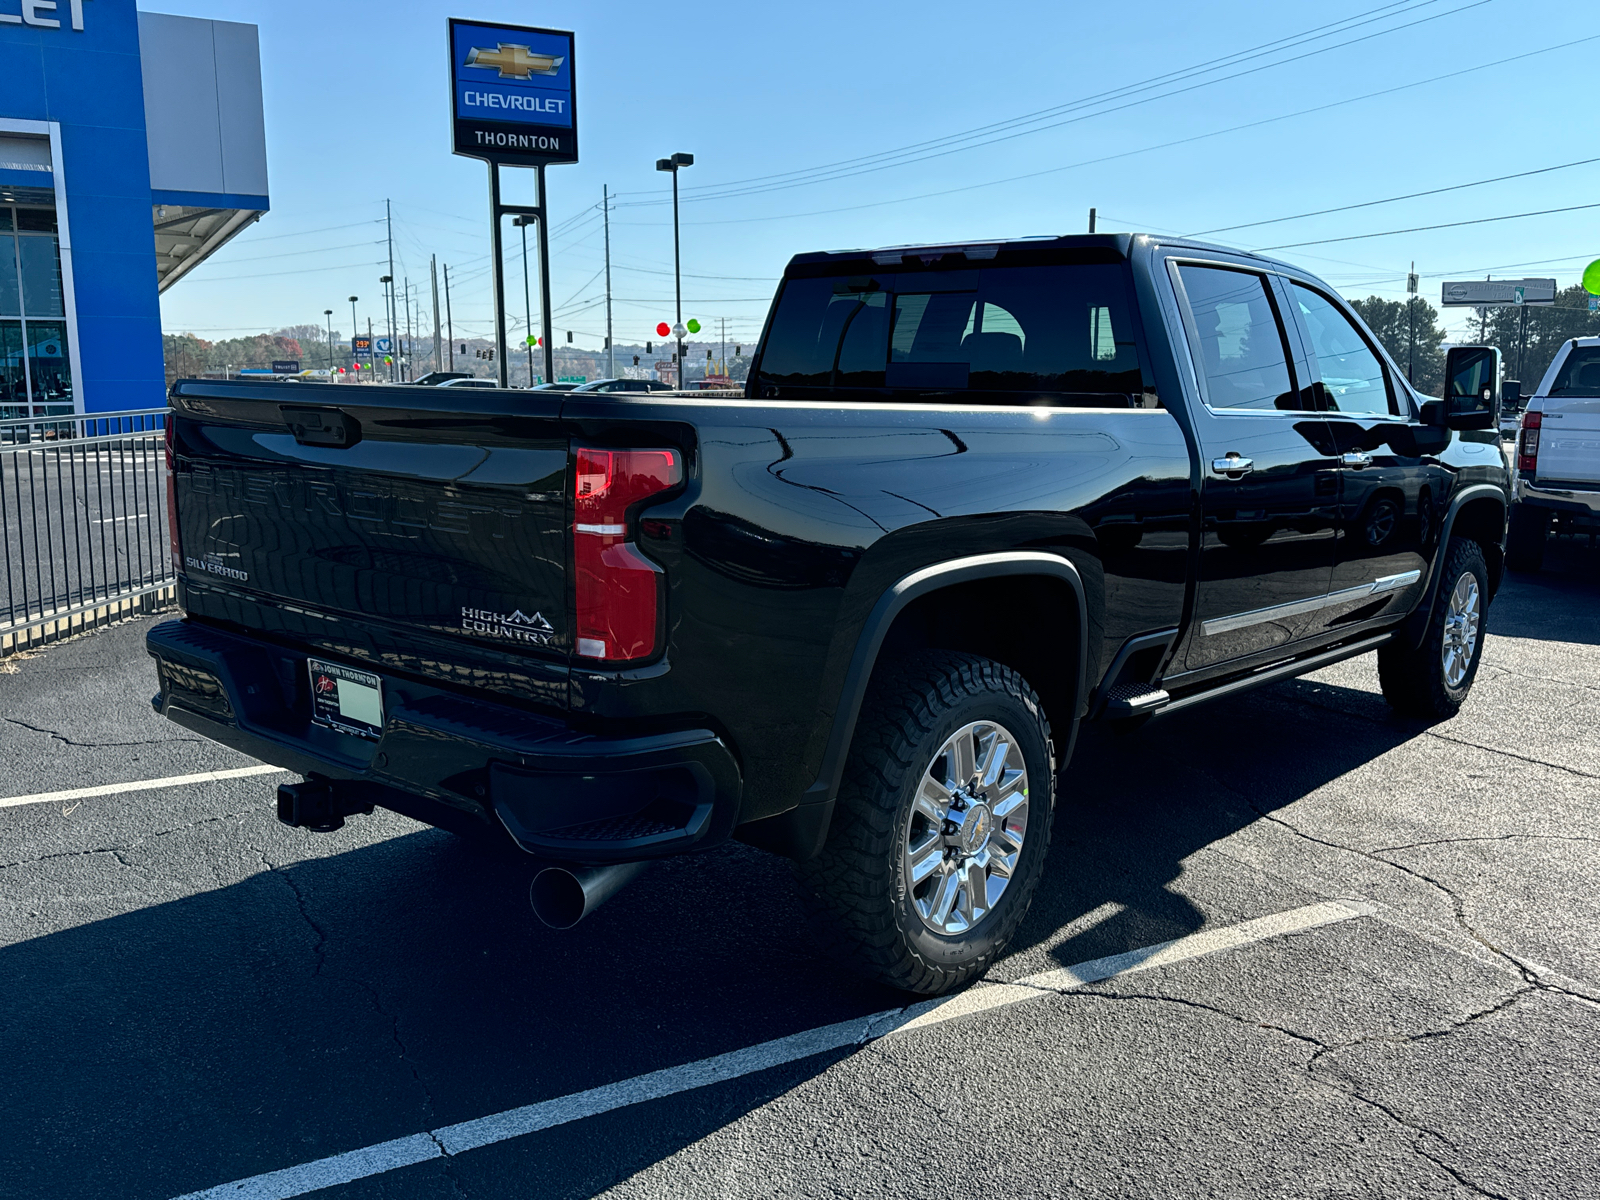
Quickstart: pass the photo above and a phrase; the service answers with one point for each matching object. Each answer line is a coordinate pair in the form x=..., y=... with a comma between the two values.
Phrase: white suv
x=1557, y=455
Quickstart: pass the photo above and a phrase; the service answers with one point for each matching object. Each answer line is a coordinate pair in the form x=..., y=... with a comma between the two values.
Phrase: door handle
x=1232, y=464
x=1356, y=459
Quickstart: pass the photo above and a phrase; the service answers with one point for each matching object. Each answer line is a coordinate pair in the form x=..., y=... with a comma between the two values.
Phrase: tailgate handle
x=321, y=426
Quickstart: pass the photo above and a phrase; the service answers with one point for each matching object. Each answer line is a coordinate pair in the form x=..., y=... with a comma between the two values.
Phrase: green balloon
x=532, y=340
x=1591, y=278
x=694, y=326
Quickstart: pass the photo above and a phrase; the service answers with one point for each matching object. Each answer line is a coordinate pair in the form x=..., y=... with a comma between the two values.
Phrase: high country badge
x=517, y=626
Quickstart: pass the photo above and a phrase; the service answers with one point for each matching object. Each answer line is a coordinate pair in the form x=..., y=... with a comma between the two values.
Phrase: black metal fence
x=83, y=512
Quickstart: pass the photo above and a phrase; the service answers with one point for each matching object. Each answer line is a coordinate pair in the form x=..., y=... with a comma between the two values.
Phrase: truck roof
x=980, y=249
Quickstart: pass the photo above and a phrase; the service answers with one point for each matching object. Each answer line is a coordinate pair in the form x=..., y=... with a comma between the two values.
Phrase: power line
x=1356, y=237
x=1184, y=141
x=299, y=271
x=831, y=174
x=1455, y=187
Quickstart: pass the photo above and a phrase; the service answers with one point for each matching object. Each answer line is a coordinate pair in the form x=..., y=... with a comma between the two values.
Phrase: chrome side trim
x=1391, y=583
x=1260, y=616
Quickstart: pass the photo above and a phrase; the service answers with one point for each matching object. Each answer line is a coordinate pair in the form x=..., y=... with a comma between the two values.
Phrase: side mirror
x=1472, y=387
x=1511, y=395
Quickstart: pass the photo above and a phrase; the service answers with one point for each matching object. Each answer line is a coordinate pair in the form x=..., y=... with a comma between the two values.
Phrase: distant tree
x=1392, y=323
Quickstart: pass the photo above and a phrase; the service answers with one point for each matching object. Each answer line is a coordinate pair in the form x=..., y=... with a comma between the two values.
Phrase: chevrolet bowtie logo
x=514, y=62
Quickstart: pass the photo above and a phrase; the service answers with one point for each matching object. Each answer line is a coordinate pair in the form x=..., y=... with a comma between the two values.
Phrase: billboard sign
x=1497, y=293
x=361, y=346
x=385, y=346
x=286, y=366
x=512, y=95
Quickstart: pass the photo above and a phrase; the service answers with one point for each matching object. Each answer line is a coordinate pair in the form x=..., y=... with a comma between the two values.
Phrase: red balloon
x=663, y=329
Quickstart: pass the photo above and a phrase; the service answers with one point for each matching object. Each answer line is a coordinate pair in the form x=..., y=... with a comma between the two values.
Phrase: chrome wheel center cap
x=973, y=833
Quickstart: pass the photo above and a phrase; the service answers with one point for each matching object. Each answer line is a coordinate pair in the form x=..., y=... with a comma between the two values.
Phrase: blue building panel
x=85, y=89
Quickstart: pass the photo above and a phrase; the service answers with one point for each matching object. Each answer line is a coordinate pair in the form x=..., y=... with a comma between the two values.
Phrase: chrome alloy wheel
x=966, y=829
x=1461, y=629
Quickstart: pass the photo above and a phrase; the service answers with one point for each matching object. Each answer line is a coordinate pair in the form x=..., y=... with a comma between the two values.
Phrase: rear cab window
x=1579, y=375
x=1053, y=333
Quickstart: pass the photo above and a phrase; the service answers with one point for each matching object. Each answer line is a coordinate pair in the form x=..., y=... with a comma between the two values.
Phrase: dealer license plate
x=346, y=700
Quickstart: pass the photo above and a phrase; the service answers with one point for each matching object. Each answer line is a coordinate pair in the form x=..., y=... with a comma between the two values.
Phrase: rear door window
x=1243, y=358
x=1052, y=334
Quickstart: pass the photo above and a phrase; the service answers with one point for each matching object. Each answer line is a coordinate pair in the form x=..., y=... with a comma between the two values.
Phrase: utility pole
x=369, y=335
x=355, y=328
x=449, y=323
x=1411, y=308
x=1091, y=220
x=388, y=217
x=611, y=350
x=722, y=346
x=433, y=271
x=404, y=364
x=328, y=313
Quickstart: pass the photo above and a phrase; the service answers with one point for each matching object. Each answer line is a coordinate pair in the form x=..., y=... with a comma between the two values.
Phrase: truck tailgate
x=1569, y=447
x=431, y=520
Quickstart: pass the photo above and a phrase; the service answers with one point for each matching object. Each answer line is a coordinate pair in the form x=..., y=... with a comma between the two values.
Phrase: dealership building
x=132, y=146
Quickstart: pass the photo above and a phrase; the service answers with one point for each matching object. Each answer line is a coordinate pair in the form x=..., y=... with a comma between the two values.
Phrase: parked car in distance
x=468, y=381
x=435, y=378
x=1557, y=483
x=554, y=387
x=972, y=497
x=624, y=385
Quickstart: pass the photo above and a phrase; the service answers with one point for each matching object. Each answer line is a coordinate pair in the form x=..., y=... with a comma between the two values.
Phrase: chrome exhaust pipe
x=563, y=896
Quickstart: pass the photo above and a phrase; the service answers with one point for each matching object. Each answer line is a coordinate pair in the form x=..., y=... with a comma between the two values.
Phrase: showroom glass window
x=34, y=366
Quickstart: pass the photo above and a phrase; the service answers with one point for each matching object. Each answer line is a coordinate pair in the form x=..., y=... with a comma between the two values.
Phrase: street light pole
x=674, y=165
x=328, y=313
x=388, y=304
x=354, y=328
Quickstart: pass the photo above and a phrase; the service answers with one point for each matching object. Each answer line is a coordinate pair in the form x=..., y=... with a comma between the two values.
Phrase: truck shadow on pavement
x=1558, y=603
x=383, y=990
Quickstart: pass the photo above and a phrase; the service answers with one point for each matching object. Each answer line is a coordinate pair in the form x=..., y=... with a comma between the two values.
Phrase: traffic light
x=463, y=349
x=636, y=360
x=649, y=348
x=569, y=336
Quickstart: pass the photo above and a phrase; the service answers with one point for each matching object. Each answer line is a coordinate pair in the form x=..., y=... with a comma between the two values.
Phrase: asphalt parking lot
x=192, y=995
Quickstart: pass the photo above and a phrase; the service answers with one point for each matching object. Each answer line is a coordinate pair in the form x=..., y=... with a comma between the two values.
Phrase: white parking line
x=485, y=1131
x=138, y=785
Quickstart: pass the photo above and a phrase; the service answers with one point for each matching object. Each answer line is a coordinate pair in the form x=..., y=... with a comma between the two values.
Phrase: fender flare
x=911, y=587
x=1416, y=626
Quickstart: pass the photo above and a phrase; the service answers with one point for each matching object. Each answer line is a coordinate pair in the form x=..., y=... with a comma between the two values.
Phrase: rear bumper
x=1578, y=499
x=458, y=762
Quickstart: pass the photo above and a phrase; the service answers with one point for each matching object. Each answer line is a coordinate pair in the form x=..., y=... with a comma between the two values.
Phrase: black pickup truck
x=972, y=496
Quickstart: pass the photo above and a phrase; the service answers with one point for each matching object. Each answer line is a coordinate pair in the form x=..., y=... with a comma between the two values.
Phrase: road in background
x=194, y=994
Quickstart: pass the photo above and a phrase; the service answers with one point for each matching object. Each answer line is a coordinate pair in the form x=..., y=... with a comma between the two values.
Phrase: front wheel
x=941, y=826
x=1432, y=680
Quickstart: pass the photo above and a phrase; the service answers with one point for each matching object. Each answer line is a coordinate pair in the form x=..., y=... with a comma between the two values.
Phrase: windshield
x=1061, y=334
x=1580, y=374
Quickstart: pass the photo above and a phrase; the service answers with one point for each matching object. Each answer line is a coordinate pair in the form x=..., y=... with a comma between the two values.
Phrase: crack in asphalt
x=121, y=848
x=61, y=737
x=403, y=1053
x=1529, y=973
x=1527, y=758
x=1352, y=1091
x=1499, y=837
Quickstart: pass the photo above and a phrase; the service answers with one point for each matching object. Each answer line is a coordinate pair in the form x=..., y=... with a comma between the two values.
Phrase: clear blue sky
x=357, y=98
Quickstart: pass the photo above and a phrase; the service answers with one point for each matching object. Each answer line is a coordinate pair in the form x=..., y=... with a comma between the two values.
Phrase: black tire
x=1416, y=682
x=1525, y=538
x=858, y=889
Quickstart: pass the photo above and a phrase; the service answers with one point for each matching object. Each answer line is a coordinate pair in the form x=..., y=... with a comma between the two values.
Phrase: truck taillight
x=172, y=497
x=617, y=589
x=1528, y=449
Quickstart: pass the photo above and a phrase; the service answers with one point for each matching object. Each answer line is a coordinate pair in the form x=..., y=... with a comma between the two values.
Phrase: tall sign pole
x=611, y=350
x=514, y=103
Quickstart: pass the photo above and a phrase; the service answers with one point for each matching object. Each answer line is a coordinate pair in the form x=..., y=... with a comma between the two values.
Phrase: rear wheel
x=1432, y=680
x=1525, y=538
x=941, y=826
